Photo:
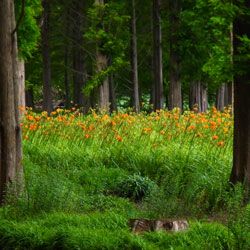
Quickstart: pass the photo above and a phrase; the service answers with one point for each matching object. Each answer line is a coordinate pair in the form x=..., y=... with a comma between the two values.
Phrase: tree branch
x=20, y=18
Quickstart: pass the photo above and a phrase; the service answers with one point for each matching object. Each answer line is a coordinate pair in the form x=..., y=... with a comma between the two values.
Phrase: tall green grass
x=80, y=190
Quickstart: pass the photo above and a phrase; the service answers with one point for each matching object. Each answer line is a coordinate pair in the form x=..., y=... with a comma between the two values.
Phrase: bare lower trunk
x=241, y=162
x=220, y=97
x=157, y=60
x=198, y=97
x=103, y=89
x=21, y=83
x=204, y=99
x=195, y=96
x=10, y=132
x=175, y=96
x=241, y=148
x=134, y=61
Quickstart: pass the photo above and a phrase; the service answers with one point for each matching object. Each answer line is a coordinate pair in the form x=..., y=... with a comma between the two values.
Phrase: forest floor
x=87, y=176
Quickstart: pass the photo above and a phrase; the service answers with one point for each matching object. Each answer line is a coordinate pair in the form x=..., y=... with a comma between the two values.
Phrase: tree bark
x=221, y=97
x=204, y=98
x=241, y=149
x=21, y=83
x=101, y=64
x=175, y=96
x=10, y=132
x=157, y=58
x=134, y=61
x=79, y=69
x=47, y=89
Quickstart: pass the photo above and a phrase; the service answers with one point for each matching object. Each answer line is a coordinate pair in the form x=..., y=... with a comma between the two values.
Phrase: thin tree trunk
x=134, y=61
x=157, y=60
x=101, y=64
x=112, y=95
x=66, y=61
x=220, y=97
x=10, y=132
x=47, y=90
x=79, y=69
x=19, y=95
x=175, y=96
x=204, y=98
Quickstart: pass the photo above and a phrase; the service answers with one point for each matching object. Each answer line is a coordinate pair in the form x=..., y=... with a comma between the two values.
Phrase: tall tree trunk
x=241, y=149
x=66, y=60
x=134, y=61
x=157, y=59
x=175, y=97
x=101, y=64
x=79, y=71
x=10, y=132
x=47, y=90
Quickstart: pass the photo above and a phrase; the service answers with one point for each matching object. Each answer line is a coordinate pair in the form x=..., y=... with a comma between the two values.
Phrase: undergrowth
x=85, y=177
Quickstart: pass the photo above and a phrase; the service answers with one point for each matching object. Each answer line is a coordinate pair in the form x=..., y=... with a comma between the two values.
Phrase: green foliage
x=28, y=30
x=134, y=187
x=109, y=32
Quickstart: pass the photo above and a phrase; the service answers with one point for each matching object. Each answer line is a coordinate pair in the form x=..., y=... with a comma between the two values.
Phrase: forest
x=125, y=124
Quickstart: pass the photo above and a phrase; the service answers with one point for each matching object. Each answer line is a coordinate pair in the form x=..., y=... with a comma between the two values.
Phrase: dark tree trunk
x=47, y=90
x=79, y=70
x=241, y=148
x=10, y=132
x=67, y=61
x=134, y=61
x=157, y=59
x=29, y=98
x=175, y=97
x=112, y=95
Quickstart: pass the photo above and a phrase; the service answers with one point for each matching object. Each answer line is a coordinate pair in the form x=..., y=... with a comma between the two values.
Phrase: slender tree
x=175, y=95
x=157, y=58
x=134, y=60
x=101, y=64
x=79, y=70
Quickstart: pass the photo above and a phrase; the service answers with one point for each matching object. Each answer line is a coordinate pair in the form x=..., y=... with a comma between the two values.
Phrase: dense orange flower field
x=161, y=127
